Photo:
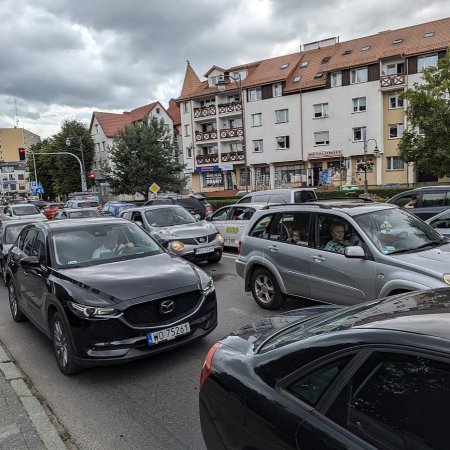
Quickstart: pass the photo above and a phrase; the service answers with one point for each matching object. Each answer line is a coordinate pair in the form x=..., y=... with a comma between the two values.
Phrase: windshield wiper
x=432, y=244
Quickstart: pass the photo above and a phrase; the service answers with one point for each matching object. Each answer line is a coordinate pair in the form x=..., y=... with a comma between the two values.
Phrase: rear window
x=304, y=196
x=191, y=203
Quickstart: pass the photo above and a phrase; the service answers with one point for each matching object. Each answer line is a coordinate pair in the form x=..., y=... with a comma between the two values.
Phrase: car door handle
x=318, y=258
x=273, y=248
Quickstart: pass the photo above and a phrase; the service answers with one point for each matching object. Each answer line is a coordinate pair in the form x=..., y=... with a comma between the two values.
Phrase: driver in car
x=111, y=244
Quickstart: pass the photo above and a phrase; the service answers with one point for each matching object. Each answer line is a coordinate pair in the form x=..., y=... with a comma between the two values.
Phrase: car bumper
x=199, y=253
x=114, y=341
x=240, y=268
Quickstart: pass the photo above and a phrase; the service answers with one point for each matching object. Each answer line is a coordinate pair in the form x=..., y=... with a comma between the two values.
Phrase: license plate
x=200, y=251
x=230, y=241
x=168, y=334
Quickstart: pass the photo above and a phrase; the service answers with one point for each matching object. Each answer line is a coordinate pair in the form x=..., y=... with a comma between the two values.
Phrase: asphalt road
x=149, y=404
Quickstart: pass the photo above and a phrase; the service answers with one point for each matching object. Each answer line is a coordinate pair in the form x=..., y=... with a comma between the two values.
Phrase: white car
x=231, y=220
x=22, y=211
x=441, y=222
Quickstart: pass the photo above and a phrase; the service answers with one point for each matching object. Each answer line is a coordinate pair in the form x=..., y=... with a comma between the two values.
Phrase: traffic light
x=92, y=176
x=22, y=155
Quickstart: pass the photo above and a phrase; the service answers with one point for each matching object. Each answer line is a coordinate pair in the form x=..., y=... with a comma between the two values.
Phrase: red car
x=51, y=209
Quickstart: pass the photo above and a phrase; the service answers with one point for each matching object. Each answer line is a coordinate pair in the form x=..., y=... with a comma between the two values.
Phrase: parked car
x=22, y=211
x=203, y=200
x=194, y=206
x=105, y=292
x=41, y=204
x=231, y=220
x=82, y=203
x=115, y=208
x=344, y=252
x=348, y=187
x=51, y=209
x=370, y=376
x=77, y=213
x=441, y=222
x=9, y=230
x=424, y=202
x=179, y=231
x=293, y=195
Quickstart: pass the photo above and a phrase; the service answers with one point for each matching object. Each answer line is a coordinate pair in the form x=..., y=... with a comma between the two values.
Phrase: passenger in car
x=337, y=243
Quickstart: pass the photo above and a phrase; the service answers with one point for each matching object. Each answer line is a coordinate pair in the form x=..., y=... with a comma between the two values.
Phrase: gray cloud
x=64, y=59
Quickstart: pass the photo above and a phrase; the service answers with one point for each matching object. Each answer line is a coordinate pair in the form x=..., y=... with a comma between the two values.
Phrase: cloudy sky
x=64, y=59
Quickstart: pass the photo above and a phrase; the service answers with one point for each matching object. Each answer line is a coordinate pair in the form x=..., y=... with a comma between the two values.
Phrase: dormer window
x=215, y=79
x=284, y=66
x=397, y=41
x=347, y=52
x=318, y=75
x=365, y=48
x=304, y=64
x=326, y=59
x=428, y=34
x=297, y=79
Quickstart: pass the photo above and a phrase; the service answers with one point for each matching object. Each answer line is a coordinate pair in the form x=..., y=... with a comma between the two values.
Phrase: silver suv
x=342, y=253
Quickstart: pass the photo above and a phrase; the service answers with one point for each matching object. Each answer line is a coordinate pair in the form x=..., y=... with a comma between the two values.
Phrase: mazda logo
x=166, y=307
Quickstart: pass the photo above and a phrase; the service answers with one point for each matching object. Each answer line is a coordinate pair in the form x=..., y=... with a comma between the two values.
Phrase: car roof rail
x=319, y=205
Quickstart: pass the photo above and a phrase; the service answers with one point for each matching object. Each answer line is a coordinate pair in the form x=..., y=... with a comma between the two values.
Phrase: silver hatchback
x=343, y=253
x=179, y=231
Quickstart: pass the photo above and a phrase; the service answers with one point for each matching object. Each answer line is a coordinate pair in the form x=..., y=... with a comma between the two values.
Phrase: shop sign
x=207, y=169
x=325, y=154
x=227, y=167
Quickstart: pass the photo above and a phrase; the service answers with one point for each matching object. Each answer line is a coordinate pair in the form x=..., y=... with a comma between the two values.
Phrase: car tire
x=266, y=290
x=62, y=346
x=216, y=258
x=16, y=313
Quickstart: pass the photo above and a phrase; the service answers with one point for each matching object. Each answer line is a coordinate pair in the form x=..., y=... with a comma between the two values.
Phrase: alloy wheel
x=60, y=342
x=264, y=289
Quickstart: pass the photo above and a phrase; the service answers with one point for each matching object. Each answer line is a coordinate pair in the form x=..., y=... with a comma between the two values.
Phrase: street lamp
x=376, y=154
x=82, y=157
x=221, y=85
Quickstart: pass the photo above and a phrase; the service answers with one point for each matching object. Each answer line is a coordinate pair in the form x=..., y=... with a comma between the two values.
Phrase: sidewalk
x=24, y=424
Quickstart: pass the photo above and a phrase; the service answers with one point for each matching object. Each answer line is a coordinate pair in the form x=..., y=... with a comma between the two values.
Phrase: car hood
x=435, y=259
x=250, y=337
x=187, y=230
x=130, y=279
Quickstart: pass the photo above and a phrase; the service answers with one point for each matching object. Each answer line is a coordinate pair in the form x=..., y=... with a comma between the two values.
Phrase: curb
x=46, y=430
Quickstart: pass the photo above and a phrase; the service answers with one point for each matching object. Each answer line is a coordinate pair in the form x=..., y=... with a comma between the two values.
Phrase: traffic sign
x=154, y=188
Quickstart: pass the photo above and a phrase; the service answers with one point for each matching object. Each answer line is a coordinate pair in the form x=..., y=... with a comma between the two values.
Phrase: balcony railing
x=389, y=81
x=207, y=159
x=206, y=135
x=206, y=111
x=229, y=107
x=231, y=133
x=233, y=156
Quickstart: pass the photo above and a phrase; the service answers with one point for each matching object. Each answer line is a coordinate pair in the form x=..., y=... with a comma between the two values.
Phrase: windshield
x=12, y=232
x=96, y=243
x=83, y=213
x=398, y=231
x=25, y=210
x=167, y=217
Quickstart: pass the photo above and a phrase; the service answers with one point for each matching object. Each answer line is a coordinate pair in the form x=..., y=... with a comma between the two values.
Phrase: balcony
x=231, y=132
x=207, y=159
x=392, y=81
x=206, y=111
x=205, y=135
x=233, y=156
x=225, y=108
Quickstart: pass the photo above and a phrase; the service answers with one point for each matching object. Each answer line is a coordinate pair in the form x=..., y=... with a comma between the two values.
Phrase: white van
x=293, y=195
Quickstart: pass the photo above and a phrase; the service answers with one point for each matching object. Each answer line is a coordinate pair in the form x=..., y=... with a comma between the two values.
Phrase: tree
x=143, y=154
x=426, y=142
x=60, y=174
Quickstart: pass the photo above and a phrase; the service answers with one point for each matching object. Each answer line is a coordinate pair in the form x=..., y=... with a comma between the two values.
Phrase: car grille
x=196, y=241
x=149, y=314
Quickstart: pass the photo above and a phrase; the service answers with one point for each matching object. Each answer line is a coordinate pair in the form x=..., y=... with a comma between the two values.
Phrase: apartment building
x=316, y=117
x=104, y=126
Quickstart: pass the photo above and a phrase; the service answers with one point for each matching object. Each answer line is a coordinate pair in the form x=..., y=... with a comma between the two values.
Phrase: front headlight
x=208, y=287
x=177, y=246
x=93, y=312
x=220, y=238
x=446, y=278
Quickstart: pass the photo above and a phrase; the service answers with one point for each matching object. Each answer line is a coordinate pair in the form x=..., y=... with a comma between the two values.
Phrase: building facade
x=328, y=115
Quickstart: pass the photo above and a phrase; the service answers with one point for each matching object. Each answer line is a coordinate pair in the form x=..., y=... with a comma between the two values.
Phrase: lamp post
x=221, y=85
x=376, y=153
x=82, y=157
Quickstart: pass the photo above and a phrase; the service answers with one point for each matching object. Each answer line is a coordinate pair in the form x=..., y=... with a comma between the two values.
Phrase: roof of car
x=421, y=188
x=89, y=208
x=76, y=223
x=148, y=207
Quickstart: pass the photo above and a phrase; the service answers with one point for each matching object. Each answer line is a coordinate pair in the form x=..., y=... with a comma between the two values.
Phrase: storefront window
x=262, y=178
x=290, y=175
x=211, y=179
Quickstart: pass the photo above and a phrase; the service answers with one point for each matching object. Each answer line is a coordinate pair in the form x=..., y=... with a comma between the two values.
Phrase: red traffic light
x=92, y=176
x=22, y=154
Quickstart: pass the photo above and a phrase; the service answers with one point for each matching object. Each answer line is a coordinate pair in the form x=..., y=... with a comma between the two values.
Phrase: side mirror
x=138, y=222
x=354, y=251
x=30, y=261
x=198, y=217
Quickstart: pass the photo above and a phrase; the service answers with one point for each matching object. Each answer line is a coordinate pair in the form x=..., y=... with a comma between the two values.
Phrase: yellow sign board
x=154, y=188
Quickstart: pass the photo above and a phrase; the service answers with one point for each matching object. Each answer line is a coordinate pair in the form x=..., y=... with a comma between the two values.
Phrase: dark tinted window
x=28, y=243
x=433, y=199
x=190, y=203
x=262, y=226
x=292, y=228
x=397, y=401
x=39, y=248
x=304, y=196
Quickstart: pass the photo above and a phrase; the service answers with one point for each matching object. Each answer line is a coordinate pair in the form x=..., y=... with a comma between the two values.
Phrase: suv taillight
x=239, y=246
x=206, y=368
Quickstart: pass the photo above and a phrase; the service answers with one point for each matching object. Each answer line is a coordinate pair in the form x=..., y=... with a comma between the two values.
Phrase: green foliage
x=141, y=155
x=60, y=174
x=429, y=111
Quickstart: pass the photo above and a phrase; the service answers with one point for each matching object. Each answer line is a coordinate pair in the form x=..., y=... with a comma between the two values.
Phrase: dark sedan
x=105, y=292
x=375, y=375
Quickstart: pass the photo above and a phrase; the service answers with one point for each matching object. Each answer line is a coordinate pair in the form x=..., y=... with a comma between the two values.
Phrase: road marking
x=245, y=313
x=230, y=256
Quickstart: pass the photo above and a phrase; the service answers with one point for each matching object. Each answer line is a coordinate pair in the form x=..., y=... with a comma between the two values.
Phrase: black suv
x=425, y=201
x=193, y=205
